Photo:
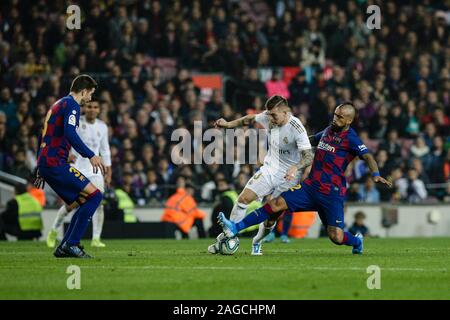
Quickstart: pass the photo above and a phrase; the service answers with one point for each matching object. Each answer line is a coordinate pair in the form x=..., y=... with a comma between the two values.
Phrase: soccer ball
x=228, y=246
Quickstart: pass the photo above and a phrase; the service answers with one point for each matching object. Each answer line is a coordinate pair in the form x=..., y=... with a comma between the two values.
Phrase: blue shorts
x=65, y=180
x=330, y=207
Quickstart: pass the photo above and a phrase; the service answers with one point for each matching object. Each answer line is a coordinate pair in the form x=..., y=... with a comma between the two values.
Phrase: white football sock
x=262, y=232
x=97, y=222
x=62, y=213
x=238, y=212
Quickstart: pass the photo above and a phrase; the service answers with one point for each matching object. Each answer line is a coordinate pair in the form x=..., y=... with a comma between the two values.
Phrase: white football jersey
x=95, y=136
x=285, y=143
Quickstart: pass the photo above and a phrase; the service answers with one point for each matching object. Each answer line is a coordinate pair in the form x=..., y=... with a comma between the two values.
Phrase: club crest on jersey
x=285, y=140
x=337, y=139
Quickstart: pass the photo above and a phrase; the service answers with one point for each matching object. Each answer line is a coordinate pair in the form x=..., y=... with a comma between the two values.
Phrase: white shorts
x=98, y=181
x=264, y=183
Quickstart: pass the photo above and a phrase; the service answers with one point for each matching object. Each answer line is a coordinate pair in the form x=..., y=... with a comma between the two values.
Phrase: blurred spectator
x=368, y=192
x=411, y=188
x=144, y=56
x=392, y=145
x=22, y=216
x=359, y=226
x=353, y=192
x=419, y=149
x=181, y=210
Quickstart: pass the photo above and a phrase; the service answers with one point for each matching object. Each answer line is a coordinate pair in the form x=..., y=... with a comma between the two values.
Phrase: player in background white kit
x=94, y=133
x=286, y=164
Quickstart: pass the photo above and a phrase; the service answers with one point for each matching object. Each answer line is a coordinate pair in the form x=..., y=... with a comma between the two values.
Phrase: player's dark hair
x=81, y=82
x=276, y=101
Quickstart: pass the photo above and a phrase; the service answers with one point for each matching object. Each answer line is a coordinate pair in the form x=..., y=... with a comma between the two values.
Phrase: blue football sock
x=72, y=223
x=254, y=217
x=350, y=239
x=287, y=221
x=85, y=212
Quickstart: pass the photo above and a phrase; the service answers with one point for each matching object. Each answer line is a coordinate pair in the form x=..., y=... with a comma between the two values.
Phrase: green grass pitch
x=171, y=269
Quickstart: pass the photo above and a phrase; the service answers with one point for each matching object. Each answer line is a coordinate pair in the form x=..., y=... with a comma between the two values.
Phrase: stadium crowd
x=398, y=78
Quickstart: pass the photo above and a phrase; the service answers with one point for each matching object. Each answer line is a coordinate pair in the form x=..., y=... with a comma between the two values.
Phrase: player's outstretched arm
x=372, y=164
x=244, y=121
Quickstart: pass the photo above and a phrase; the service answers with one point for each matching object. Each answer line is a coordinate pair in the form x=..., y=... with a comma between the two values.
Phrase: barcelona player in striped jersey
x=325, y=188
x=58, y=136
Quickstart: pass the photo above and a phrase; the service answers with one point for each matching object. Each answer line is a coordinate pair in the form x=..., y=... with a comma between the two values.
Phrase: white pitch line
x=301, y=267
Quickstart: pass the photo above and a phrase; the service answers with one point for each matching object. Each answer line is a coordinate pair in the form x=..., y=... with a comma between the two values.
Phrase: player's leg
x=332, y=215
x=272, y=208
x=257, y=187
x=89, y=200
x=72, y=187
x=97, y=227
x=287, y=222
x=265, y=232
x=266, y=229
x=63, y=211
x=246, y=197
x=99, y=215
x=297, y=198
x=339, y=237
x=237, y=213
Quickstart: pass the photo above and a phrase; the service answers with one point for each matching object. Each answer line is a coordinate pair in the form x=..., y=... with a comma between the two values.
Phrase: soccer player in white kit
x=286, y=164
x=94, y=133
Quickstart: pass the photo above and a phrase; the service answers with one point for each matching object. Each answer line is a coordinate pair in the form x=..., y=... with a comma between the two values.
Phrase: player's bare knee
x=71, y=207
x=335, y=235
x=277, y=204
x=245, y=199
x=269, y=223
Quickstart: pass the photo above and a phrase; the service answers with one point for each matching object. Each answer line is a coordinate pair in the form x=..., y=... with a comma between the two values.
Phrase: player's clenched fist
x=97, y=163
x=221, y=123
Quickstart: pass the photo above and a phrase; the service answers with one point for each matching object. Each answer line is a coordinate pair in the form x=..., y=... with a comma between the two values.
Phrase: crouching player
x=58, y=136
x=324, y=189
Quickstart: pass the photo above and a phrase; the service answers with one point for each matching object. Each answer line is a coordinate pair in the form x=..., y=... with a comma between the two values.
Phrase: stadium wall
x=412, y=221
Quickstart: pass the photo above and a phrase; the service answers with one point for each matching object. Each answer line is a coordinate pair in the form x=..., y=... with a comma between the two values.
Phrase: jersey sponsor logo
x=282, y=152
x=362, y=147
x=337, y=139
x=72, y=120
x=325, y=146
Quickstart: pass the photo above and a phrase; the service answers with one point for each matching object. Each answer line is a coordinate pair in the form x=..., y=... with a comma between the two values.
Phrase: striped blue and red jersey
x=59, y=134
x=335, y=150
